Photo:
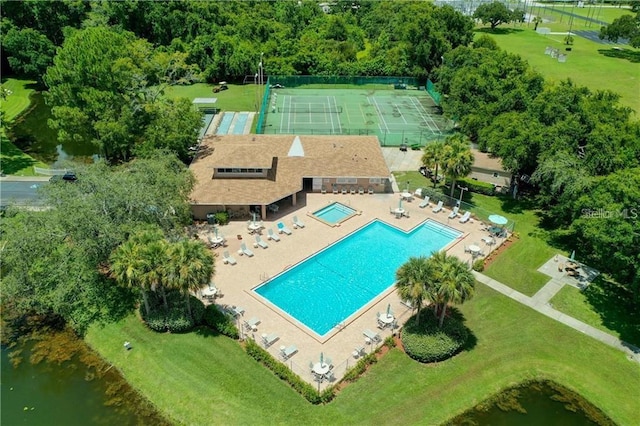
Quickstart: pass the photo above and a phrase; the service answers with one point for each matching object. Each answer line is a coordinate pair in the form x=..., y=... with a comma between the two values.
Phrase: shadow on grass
x=13, y=159
x=499, y=31
x=616, y=308
x=628, y=54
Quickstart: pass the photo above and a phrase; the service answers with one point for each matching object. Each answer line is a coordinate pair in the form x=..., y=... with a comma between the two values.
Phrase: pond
x=534, y=404
x=56, y=380
x=32, y=134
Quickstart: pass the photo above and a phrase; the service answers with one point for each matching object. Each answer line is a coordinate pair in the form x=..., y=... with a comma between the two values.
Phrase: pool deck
x=237, y=281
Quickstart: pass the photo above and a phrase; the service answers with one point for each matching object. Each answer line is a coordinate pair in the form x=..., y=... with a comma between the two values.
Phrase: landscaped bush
x=221, y=322
x=478, y=265
x=434, y=195
x=426, y=342
x=283, y=372
x=477, y=186
x=222, y=218
x=177, y=318
x=361, y=366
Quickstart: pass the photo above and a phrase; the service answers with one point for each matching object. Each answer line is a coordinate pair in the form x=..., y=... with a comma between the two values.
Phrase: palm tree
x=454, y=282
x=412, y=279
x=155, y=258
x=458, y=158
x=190, y=265
x=127, y=267
x=433, y=157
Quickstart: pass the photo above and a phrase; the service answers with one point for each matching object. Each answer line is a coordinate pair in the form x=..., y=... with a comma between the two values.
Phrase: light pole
x=462, y=189
x=261, y=66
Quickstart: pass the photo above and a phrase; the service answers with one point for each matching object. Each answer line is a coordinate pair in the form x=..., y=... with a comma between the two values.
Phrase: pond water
x=534, y=404
x=32, y=134
x=53, y=386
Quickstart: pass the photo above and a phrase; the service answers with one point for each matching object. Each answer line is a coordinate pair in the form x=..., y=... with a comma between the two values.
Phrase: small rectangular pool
x=325, y=289
x=334, y=213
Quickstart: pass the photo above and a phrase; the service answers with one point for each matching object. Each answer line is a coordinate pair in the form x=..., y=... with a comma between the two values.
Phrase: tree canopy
x=496, y=13
x=56, y=261
x=627, y=26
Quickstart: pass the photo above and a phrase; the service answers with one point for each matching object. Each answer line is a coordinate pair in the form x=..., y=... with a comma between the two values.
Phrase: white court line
x=379, y=113
x=365, y=116
x=333, y=129
x=289, y=116
x=400, y=112
x=425, y=116
x=335, y=104
x=282, y=117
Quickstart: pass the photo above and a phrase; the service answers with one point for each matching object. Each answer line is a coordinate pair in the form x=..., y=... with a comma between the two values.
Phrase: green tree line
x=580, y=148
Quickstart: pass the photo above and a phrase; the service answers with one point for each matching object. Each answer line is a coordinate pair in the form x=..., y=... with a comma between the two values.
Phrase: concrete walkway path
x=540, y=302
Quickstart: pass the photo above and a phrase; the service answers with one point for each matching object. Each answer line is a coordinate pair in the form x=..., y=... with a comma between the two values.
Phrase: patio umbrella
x=215, y=231
x=400, y=203
x=498, y=220
x=388, y=309
x=321, y=358
x=253, y=216
x=573, y=255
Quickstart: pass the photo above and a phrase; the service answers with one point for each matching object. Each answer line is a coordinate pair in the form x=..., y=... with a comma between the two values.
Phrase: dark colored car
x=67, y=177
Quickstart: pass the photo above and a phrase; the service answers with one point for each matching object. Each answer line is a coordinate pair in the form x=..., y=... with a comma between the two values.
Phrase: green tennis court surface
x=395, y=116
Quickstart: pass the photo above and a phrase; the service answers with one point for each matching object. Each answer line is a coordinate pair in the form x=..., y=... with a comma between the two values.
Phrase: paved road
x=20, y=191
x=541, y=305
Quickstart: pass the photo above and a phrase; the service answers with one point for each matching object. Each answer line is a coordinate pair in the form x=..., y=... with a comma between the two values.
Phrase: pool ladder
x=264, y=276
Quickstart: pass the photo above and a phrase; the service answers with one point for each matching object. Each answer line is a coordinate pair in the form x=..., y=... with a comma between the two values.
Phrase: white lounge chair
x=335, y=189
x=454, y=213
x=374, y=337
x=465, y=217
x=361, y=190
x=488, y=240
x=272, y=235
x=288, y=352
x=438, y=208
x=260, y=242
x=418, y=192
x=352, y=190
x=343, y=190
x=424, y=202
x=269, y=339
x=370, y=190
x=282, y=228
x=252, y=324
x=297, y=223
x=245, y=250
x=227, y=258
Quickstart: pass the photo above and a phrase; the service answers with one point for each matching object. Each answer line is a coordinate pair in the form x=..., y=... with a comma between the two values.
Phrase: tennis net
x=311, y=110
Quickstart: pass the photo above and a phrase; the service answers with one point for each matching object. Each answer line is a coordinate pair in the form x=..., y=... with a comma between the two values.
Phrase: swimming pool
x=328, y=287
x=334, y=213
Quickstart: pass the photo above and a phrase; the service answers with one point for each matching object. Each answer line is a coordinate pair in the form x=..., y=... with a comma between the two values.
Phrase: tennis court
x=395, y=116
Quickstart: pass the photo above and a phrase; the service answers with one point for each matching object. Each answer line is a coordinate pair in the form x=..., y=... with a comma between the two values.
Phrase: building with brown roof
x=240, y=172
x=487, y=168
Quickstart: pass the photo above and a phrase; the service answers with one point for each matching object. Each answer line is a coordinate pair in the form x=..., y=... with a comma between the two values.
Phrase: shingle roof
x=324, y=156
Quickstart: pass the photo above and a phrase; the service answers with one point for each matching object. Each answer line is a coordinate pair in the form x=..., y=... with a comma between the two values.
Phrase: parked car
x=67, y=177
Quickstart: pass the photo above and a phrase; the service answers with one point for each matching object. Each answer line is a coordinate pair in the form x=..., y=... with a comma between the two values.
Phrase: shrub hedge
x=283, y=372
x=221, y=322
x=478, y=265
x=477, y=186
x=426, y=342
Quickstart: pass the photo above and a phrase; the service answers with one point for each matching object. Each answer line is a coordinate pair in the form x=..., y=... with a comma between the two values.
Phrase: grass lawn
x=518, y=266
x=605, y=14
x=12, y=160
x=198, y=378
x=604, y=305
x=237, y=98
x=589, y=64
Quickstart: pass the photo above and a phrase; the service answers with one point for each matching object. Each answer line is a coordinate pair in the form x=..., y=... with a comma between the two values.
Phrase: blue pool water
x=328, y=287
x=334, y=213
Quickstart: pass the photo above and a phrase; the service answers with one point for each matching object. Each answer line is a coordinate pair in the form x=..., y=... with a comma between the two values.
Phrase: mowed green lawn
x=237, y=98
x=587, y=63
x=198, y=378
x=604, y=14
x=12, y=160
